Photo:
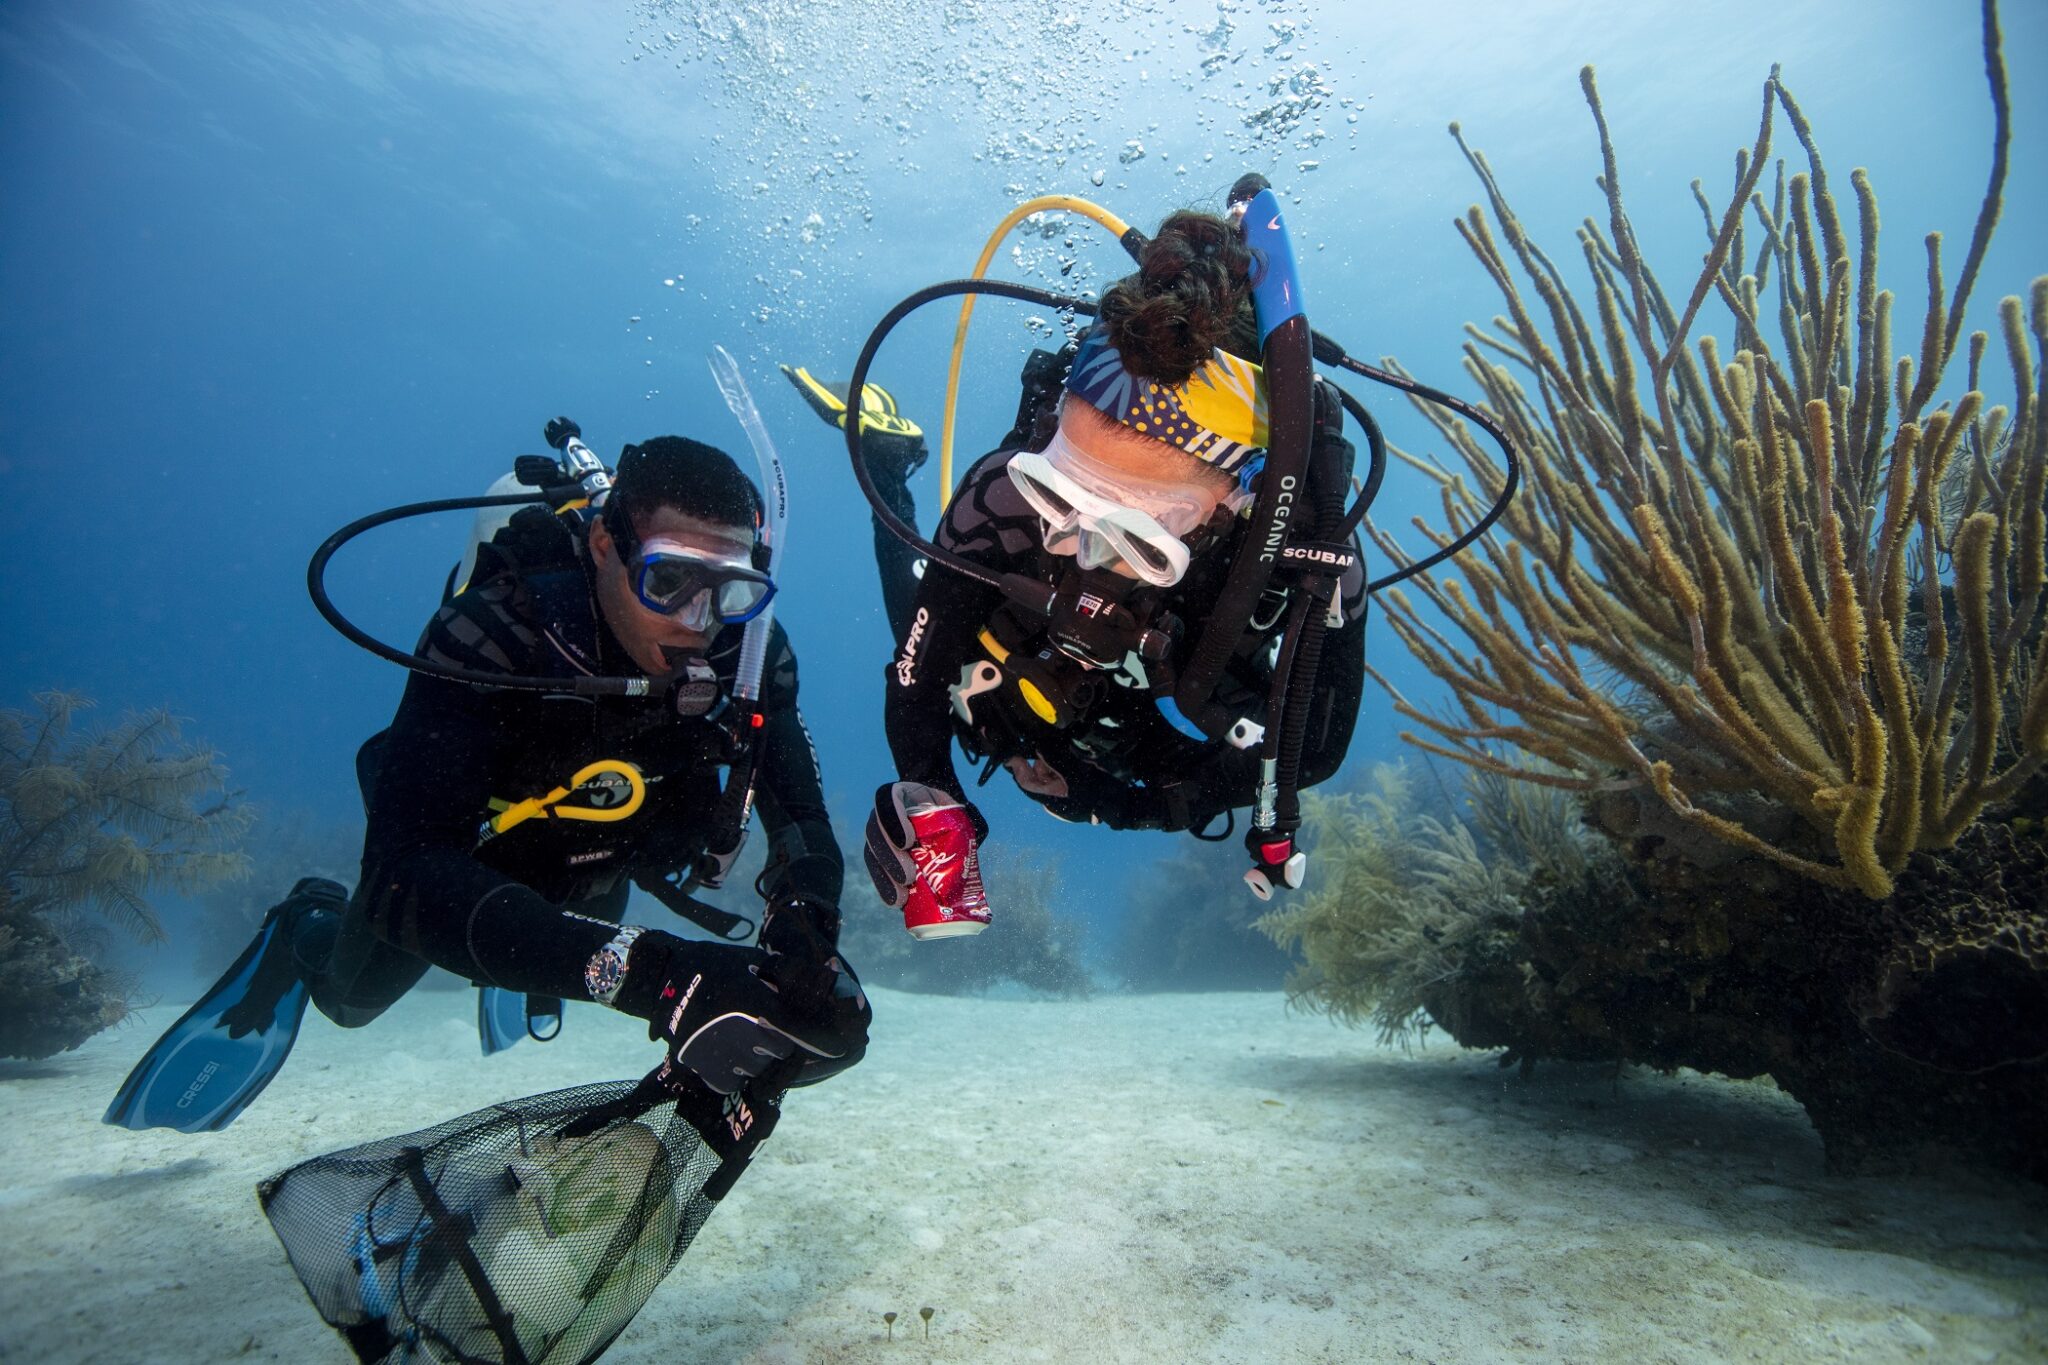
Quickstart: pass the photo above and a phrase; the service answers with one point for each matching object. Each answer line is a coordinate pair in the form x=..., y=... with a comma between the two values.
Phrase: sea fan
x=96, y=820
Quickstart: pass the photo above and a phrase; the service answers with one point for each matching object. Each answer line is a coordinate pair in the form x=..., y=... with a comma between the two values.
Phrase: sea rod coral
x=1778, y=622
x=1784, y=589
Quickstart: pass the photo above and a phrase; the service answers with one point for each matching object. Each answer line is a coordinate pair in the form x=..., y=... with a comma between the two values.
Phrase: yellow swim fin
x=878, y=412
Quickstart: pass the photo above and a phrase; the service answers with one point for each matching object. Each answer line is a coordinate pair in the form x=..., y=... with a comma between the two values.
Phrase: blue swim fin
x=505, y=1017
x=201, y=1074
x=500, y=1018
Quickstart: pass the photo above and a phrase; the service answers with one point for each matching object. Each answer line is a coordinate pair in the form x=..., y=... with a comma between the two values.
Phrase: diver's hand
x=725, y=1021
x=559, y=430
x=923, y=853
x=800, y=935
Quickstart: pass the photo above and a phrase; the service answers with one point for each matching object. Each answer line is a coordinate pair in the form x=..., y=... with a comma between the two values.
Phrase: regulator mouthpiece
x=691, y=683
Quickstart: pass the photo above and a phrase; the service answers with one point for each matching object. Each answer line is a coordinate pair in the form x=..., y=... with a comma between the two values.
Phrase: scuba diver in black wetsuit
x=1125, y=476
x=559, y=741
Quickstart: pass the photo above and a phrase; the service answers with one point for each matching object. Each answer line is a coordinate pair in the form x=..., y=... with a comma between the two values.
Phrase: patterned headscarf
x=1218, y=416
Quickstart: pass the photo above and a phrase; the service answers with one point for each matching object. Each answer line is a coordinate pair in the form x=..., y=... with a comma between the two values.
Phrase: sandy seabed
x=1149, y=1178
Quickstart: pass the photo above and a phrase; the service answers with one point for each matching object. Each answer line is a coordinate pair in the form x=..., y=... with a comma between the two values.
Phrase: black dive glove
x=800, y=935
x=902, y=818
x=727, y=1019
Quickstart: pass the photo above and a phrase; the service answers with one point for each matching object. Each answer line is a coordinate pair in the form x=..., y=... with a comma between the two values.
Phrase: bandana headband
x=1218, y=416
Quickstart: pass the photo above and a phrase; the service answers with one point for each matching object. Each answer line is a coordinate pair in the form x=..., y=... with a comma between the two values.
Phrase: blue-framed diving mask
x=697, y=588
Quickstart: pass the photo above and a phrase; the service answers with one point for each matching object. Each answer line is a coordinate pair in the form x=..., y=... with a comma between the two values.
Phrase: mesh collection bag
x=527, y=1233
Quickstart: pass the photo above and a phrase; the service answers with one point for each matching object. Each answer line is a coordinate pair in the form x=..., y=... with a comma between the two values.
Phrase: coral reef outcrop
x=1775, y=619
x=1788, y=579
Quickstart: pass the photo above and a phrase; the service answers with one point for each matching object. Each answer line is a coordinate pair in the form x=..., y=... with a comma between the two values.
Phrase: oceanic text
x=1276, y=531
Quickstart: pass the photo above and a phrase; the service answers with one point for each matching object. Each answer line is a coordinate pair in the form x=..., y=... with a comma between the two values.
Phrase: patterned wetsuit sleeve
x=803, y=855
x=986, y=522
x=422, y=889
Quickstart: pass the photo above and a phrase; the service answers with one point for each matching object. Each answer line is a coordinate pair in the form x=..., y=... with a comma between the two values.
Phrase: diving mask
x=1103, y=515
x=697, y=588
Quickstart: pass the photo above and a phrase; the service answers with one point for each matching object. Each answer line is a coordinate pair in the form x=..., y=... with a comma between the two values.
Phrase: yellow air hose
x=1103, y=216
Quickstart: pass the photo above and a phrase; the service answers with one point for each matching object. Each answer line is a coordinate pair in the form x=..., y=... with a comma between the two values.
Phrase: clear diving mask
x=1103, y=515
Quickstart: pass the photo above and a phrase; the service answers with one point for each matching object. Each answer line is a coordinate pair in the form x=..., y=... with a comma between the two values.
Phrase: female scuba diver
x=1119, y=509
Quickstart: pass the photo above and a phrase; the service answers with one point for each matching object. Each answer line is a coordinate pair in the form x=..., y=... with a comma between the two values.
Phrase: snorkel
x=725, y=372
x=1286, y=357
x=736, y=804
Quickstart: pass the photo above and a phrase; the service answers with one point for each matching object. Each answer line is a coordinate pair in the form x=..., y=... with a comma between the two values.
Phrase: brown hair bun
x=1192, y=294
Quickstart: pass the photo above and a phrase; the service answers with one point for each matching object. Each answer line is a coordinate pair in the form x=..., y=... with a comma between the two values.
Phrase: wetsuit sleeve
x=985, y=522
x=803, y=855
x=422, y=890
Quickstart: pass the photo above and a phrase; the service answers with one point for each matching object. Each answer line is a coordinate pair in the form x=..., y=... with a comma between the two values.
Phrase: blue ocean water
x=267, y=268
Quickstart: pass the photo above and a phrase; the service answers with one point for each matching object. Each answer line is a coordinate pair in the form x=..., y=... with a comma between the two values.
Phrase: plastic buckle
x=975, y=679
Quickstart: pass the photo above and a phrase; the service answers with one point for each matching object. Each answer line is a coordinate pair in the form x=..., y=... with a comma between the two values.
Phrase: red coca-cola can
x=946, y=898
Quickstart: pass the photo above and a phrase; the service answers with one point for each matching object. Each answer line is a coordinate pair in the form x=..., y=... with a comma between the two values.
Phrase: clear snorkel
x=725, y=372
x=736, y=806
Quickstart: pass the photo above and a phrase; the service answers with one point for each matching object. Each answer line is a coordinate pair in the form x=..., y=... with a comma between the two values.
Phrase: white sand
x=1164, y=1178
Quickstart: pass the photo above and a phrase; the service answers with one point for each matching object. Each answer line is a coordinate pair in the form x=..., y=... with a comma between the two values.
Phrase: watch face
x=607, y=966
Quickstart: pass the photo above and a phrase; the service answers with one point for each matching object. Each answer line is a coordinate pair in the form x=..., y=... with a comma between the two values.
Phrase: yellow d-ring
x=541, y=807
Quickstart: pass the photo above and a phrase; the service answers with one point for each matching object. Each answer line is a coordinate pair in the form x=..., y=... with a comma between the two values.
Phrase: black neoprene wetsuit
x=1123, y=764
x=493, y=910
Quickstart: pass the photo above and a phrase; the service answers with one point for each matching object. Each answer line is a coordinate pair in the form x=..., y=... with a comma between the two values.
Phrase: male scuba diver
x=1125, y=494
x=560, y=740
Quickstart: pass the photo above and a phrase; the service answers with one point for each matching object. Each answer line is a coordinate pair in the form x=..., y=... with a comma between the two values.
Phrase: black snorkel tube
x=1285, y=485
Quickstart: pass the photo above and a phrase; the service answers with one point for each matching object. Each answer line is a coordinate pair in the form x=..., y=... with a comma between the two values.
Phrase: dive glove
x=726, y=1018
x=800, y=935
x=923, y=854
